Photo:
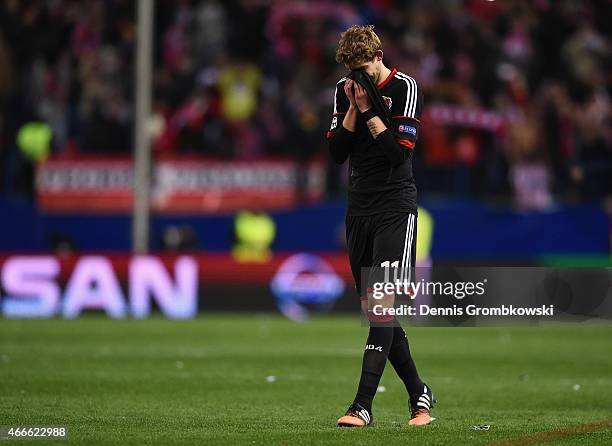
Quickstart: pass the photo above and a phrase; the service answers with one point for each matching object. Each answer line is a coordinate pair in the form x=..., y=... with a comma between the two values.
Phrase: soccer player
x=382, y=209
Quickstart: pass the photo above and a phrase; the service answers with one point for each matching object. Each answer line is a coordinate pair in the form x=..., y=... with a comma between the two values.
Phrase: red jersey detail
x=406, y=143
x=388, y=79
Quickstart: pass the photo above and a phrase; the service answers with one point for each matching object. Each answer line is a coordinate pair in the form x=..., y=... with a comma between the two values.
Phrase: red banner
x=219, y=269
x=190, y=186
x=123, y=285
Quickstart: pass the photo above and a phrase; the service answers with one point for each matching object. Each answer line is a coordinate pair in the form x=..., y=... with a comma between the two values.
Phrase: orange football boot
x=356, y=416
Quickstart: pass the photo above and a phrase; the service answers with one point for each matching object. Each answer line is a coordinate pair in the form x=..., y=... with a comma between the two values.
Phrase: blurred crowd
x=517, y=92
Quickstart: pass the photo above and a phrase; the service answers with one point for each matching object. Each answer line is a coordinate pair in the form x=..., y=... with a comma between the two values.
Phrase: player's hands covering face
x=361, y=98
x=350, y=93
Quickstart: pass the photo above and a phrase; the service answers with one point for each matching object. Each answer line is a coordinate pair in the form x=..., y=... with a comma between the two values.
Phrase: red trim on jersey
x=406, y=143
x=329, y=134
x=338, y=114
x=388, y=79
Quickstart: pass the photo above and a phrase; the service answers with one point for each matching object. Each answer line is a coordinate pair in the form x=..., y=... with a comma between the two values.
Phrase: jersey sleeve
x=406, y=113
x=341, y=105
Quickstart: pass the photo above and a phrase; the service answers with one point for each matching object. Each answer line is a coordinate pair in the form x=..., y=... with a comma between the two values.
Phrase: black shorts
x=374, y=240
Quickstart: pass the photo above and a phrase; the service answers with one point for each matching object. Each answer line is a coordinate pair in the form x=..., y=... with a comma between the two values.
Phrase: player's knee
x=379, y=310
x=379, y=314
x=379, y=319
x=364, y=305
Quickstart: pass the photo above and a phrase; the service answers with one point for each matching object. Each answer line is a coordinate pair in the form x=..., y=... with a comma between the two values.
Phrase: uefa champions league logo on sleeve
x=305, y=283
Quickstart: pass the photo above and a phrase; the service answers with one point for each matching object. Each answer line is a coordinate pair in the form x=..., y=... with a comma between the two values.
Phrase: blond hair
x=358, y=45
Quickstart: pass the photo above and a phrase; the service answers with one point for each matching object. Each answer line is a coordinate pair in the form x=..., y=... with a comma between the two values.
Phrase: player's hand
x=350, y=93
x=361, y=98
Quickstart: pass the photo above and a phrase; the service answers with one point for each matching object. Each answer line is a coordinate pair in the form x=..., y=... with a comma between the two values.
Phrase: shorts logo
x=407, y=129
x=334, y=123
x=388, y=101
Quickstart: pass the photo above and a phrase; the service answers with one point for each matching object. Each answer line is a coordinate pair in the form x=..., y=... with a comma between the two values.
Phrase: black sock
x=374, y=359
x=401, y=360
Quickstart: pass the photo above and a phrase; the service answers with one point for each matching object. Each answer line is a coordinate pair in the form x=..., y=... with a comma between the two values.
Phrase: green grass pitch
x=208, y=381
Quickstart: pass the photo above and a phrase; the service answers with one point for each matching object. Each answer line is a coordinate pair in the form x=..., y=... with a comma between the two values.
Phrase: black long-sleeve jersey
x=381, y=178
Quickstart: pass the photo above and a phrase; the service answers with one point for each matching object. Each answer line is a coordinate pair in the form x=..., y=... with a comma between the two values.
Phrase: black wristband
x=368, y=114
